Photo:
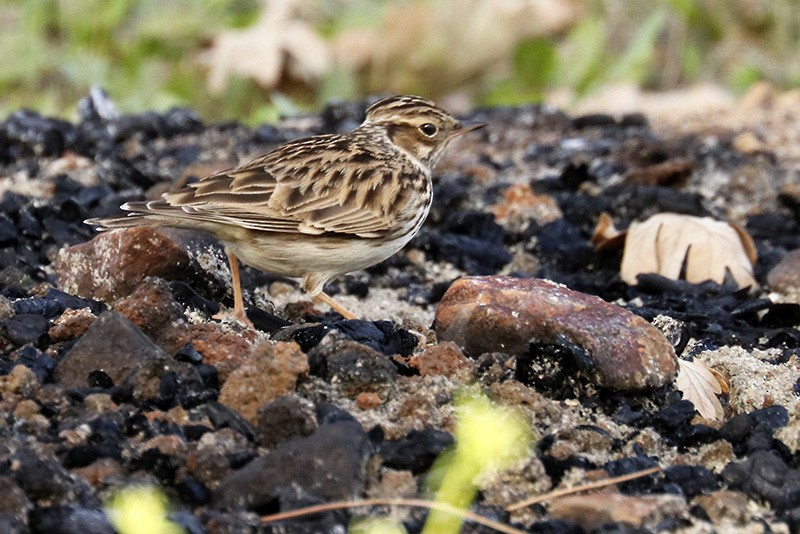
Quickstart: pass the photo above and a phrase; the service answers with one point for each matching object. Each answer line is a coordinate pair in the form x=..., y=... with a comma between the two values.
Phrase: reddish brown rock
x=368, y=401
x=153, y=309
x=221, y=348
x=100, y=471
x=113, y=264
x=599, y=508
x=444, y=359
x=785, y=276
x=271, y=371
x=71, y=324
x=503, y=314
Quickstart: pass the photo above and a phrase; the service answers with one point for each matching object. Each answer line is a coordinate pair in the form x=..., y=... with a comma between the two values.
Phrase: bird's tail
x=139, y=216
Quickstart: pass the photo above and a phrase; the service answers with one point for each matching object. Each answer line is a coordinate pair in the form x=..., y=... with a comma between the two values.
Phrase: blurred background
x=253, y=60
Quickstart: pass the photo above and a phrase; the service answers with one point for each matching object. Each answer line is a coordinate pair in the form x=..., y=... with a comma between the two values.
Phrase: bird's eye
x=428, y=129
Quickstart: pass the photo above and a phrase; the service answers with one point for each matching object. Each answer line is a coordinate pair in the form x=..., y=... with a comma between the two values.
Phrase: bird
x=317, y=207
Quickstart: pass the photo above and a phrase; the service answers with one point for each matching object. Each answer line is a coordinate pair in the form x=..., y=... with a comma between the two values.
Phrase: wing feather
x=312, y=186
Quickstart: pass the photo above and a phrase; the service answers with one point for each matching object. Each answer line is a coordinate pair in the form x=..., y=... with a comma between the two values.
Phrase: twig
x=464, y=514
x=417, y=503
x=584, y=487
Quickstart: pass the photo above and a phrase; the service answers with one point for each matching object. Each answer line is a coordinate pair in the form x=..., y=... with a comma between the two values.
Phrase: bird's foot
x=335, y=306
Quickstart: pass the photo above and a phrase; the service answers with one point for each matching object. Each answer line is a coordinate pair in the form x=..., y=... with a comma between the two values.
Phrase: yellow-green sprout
x=381, y=525
x=141, y=510
x=488, y=438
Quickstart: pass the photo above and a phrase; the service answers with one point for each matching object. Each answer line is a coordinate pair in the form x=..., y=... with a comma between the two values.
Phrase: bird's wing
x=311, y=186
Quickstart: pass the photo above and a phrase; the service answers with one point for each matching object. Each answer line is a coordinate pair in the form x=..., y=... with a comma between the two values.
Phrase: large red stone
x=503, y=314
x=113, y=264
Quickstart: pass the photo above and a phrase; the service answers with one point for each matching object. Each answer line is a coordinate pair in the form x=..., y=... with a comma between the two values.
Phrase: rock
x=223, y=349
x=14, y=504
x=70, y=519
x=785, y=276
x=152, y=308
x=328, y=464
x=352, y=367
x=764, y=475
x=71, y=324
x=25, y=328
x=164, y=381
x=21, y=380
x=443, y=359
x=112, y=344
x=589, y=511
x=622, y=350
x=45, y=480
x=210, y=462
x=368, y=401
x=113, y=264
x=284, y=418
x=272, y=370
x=724, y=506
x=417, y=451
x=382, y=336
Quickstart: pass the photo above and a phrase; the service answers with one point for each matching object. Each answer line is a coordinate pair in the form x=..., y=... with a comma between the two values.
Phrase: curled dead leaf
x=700, y=385
x=606, y=235
x=695, y=249
x=279, y=43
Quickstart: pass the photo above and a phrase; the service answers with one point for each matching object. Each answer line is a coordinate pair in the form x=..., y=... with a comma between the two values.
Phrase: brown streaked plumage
x=318, y=207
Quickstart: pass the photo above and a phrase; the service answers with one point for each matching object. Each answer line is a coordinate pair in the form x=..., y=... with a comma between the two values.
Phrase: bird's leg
x=335, y=306
x=238, y=300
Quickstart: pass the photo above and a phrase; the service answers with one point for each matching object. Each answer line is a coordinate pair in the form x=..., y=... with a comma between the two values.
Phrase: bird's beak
x=467, y=126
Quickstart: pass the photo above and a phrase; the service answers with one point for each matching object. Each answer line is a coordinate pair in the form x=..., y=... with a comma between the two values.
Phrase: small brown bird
x=318, y=207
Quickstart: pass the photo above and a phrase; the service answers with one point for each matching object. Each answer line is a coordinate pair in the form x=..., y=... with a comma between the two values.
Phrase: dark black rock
x=555, y=526
x=156, y=463
x=70, y=520
x=8, y=230
x=54, y=303
x=328, y=414
x=266, y=322
x=382, y=336
x=341, y=116
x=41, y=364
x=30, y=133
x=415, y=452
x=193, y=492
x=765, y=476
x=209, y=375
x=675, y=415
x=284, y=418
x=224, y=417
x=629, y=465
x=100, y=379
x=351, y=366
x=25, y=328
x=690, y=480
x=328, y=464
x=195, y=432
x=46, y=480
x=85, y=454
x=191, y=299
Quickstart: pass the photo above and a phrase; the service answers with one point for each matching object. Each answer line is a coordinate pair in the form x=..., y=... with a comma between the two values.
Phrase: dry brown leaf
x=436, y=44
x=694, y=248
x=278, y=42
x=700, y=386
x=606, y=235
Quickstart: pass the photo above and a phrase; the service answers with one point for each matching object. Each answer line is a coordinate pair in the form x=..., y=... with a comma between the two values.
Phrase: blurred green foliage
x=147, y=53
